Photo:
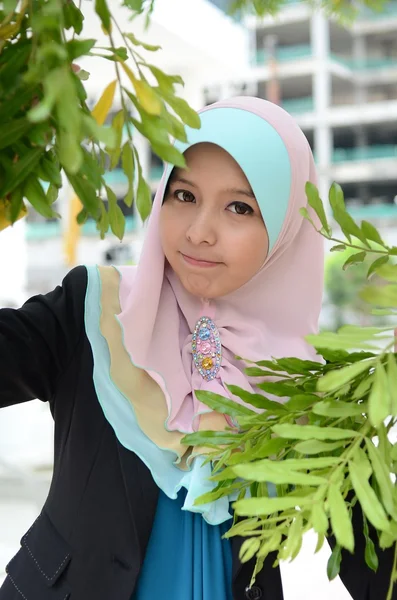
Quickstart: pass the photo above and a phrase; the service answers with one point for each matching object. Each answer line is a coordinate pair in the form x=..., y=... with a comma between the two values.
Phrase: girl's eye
x=184, y=196
x=240, y=208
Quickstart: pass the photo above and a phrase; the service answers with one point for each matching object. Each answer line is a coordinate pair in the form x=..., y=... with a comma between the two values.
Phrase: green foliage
x=46, y=127
x=318, y=447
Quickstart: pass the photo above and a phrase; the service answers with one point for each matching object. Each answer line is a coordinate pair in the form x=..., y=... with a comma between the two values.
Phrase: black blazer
x=90, y=539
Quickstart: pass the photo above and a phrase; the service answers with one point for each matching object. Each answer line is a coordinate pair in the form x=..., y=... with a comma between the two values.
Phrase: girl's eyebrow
x=242, y=192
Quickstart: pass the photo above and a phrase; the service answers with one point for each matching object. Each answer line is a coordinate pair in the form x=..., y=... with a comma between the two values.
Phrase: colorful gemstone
x=205, y=348
x=204, y=334
x=207, y=364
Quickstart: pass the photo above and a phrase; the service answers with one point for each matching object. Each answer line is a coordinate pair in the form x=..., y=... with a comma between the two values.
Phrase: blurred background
x=339, y=83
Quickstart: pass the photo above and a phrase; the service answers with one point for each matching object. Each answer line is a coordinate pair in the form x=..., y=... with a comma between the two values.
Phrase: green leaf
x=137, y=42
x=294, y=539
x=223, y=405
x=73, y=17
x=16, y=198
x=379, y=398
x=295, y=366
x=143, y=198
x=334, y=561
x=9, y=6
x=300, y=402
x=279, y=389
x=127, y=162
x=165, y=81
x=382, y=260
x=117, y=126
x=76, y=48
x=52, y=193
x=82, y=217
x=382, y=474
x=169, y=153
x=316, y=447
x=338, y=248
x=320, y=543
x=116, y=217
x=275, y=472
x=319, y=519
x=182, y=109
x=261, y=450
x=69, y=150
x=53, y=85
x=248, y=549
x=257, y=400
x=388, y=272
x=135, y=5
x=327, y=341
x=102, y=133
x=335, y=379
x=20, y=170
x=37, y=198
x=337, y=408
x=340, y=519
x=370, y=504
x=13, y=131
x=361, y=459
x=315, y=202
x=174, y=126
x=371, y=557
x=309, y=432
x=305, y=214
x=102, y=10
x=203, y=438
x=347, y=224
x=392, y=379
x=354, y=259
x=102, y=224
x=51, y=168
x=380, y=296
x=250, y=507
x=371, y=233
x=86, y=193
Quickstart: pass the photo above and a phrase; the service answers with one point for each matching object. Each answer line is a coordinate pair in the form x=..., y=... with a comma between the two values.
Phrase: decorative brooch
x=207, y=349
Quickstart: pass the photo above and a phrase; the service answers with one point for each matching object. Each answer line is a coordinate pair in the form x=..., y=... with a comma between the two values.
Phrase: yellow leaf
x=7, y=31
x=72, y=233
x=146, y=96
x=104, y=104
x=4, y=222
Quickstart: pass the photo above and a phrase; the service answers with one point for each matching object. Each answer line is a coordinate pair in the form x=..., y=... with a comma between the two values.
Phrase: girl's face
x=211, y=228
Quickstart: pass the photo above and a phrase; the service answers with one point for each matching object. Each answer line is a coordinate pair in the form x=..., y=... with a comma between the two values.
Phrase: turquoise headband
x=259, y=150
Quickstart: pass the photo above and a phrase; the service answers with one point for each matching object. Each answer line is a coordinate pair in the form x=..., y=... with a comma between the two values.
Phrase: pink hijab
x=267, y=317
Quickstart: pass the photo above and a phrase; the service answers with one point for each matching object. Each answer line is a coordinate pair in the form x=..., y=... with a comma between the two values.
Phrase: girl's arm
x=37, y=341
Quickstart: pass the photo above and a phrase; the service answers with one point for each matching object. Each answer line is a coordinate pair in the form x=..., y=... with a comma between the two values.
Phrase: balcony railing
x=366, y=64
x=298, y=105
x=373, y=211
x=374, y=152
x=285, y=53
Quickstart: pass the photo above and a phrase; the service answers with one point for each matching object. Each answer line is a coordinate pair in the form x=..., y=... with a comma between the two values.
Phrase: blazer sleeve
x=38, y=340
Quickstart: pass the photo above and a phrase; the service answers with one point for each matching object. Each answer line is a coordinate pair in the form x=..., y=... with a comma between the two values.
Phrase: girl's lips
x=199, y=263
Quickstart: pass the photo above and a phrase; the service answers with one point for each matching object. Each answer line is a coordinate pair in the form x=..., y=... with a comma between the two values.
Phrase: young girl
x=229, y=267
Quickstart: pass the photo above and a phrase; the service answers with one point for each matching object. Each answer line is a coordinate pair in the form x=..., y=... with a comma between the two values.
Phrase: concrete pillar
x=322, y=95
x=359, y=56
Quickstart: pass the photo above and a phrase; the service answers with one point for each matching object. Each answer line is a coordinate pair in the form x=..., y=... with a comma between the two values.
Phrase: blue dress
x=186, y=558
